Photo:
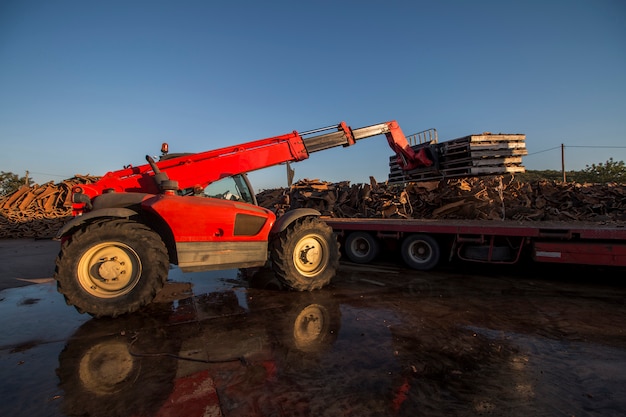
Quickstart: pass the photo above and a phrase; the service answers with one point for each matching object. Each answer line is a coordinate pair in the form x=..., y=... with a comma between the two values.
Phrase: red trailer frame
x=422, y=241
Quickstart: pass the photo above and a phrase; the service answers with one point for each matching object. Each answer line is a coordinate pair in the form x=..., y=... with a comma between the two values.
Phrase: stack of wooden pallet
x=469, y=156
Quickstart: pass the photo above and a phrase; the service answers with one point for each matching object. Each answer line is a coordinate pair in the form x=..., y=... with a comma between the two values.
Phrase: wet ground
x=379, y=341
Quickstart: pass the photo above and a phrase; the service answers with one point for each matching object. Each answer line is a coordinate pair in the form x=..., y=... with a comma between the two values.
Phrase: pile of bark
x=490, y=198
x=38, y=211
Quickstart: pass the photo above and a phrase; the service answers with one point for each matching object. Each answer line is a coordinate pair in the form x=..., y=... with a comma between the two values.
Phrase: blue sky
x=87, y=87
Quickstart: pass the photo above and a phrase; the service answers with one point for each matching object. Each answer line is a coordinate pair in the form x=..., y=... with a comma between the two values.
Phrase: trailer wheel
x=305, y=255
x=420, y=252
x=111, y=268
x=361, y=247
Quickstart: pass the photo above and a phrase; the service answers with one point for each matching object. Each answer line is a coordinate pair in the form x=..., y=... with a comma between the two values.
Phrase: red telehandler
x=129, y=226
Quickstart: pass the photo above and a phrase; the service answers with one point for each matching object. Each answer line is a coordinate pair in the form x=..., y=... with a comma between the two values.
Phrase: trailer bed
x=421, y=241
x=568, y=230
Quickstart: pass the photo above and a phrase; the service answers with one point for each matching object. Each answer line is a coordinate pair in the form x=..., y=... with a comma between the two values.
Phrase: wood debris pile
x=38, y=211
x=488, y=198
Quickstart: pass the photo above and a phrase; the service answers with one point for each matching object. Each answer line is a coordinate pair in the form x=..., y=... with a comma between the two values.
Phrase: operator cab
x=235, y=188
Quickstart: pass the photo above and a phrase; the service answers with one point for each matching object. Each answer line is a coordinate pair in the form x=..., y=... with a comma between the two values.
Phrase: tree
x=610, y=171
x=10, y=182
x=530, y=176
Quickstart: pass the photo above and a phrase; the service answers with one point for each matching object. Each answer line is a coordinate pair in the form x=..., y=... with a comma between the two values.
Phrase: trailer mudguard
x=292, y=215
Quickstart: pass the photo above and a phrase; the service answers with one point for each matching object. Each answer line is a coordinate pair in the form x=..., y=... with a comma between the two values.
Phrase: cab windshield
x=236, y=188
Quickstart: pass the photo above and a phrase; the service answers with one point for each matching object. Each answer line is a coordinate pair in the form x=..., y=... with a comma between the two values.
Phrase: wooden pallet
x=468, y=156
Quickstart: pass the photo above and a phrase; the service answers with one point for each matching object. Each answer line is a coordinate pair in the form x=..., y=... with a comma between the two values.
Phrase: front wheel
x=111, y=268
x=305, y=256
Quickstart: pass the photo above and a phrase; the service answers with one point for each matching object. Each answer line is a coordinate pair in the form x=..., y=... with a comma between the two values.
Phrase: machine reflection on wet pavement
x=377, y=342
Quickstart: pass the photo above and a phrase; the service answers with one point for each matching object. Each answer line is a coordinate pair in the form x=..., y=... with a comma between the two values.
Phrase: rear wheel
x=305, y=256
x=420, y=252
x=361, y=247
x=111, y=268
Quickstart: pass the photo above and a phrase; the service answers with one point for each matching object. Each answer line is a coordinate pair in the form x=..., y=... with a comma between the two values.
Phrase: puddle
x=48, y=319
x=383, y=342
x=29, y=301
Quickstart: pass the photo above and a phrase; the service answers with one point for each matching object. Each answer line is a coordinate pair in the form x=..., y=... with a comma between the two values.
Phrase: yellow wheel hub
x=109, y=270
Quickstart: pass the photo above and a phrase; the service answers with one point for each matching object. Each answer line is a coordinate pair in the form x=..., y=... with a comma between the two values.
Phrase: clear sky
x=88, y=86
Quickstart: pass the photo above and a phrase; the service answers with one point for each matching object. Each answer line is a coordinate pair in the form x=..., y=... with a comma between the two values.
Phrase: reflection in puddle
x=138, y=362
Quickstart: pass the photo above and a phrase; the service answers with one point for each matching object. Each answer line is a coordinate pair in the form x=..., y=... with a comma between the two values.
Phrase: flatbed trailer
x=424, y=242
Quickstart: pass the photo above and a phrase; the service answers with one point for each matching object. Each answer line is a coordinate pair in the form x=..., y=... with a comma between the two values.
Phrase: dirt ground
x=381, y=340
x=26, y=261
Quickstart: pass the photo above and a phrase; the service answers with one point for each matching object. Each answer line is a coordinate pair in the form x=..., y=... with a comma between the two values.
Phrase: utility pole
x=563, y=162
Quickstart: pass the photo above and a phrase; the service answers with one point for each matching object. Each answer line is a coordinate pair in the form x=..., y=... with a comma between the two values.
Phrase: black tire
x=111, y=268
x=420, y=252
x=305, y=256
x=361, y=247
